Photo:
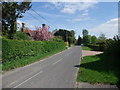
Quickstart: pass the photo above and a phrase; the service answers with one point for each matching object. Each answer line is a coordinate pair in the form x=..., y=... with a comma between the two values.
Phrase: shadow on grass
x=94, y=48
x=105, y=64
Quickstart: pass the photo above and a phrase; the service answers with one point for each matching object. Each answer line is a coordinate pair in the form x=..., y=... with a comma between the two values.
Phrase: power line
x=34, y=17
x=43, y=18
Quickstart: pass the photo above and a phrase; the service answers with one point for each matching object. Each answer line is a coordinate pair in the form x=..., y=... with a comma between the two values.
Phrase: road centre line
x=28, y=79
x=57, y=61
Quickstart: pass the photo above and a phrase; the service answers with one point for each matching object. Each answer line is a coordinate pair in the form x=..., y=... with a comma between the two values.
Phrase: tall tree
x=11, y=11
x=87, y=39
x=85, y=32
x=102, y=41
x=94, y=40
x=102, y=38
x=79, y=41
x=68, y=36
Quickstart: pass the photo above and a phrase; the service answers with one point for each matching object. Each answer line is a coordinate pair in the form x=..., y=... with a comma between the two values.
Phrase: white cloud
x=79, y=18
x=73, y=7
x=83, y=17
x=109, y=28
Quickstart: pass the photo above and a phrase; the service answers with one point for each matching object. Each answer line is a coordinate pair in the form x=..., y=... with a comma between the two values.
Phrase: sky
x=97, y=17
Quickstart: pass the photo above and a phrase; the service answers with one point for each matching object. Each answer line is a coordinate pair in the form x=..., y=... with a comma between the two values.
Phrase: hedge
x=17, y=49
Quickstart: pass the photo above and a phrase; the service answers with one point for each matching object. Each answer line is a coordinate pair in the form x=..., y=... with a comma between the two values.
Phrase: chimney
x=43, y=25
x=23, y=25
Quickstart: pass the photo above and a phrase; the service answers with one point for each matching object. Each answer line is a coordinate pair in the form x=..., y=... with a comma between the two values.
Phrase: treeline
x=66, y=35
x=89, y=40
x=109, y=46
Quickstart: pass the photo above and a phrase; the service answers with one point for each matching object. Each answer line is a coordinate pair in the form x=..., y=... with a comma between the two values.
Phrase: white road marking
x=11, y=83
x=69, y=54
x=57, y=61
x=27, y=79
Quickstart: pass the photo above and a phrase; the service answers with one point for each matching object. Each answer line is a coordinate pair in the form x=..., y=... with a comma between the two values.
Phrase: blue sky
x=96, y=17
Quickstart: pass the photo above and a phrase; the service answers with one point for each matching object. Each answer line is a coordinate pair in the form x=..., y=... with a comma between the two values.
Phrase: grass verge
x=99, y=69
x=25, y=61
x=86, y=48
x=91, y=48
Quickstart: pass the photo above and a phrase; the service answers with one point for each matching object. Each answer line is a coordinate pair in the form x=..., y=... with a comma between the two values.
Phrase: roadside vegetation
x=99, y=69
x=103, y=68
x=23, y=52
x=22, y=46
x=90, y=47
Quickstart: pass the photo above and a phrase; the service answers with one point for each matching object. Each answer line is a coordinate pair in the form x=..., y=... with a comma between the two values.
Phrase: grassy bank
x=90, y=47
x=26, y=60
x=86, y=48
x=99, y=69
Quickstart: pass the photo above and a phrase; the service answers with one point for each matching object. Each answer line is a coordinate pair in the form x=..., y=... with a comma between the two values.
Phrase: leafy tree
x=94, y=40
x=85, y=32
x=87, y=39
x=67, y=36
x=102, y=41
x=112, y=46
x=102, y=38
x=79, y=41
x=11, y=11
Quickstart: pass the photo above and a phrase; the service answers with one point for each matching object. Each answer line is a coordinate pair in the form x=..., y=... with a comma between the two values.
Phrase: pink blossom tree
x=43, y=33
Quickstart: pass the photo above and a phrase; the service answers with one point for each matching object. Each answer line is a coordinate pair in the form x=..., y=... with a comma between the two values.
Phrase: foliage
x=94, y=40
x=86, y=48
x=66, y=35
x=113, y=46
x=21, y=36
x=43, y=34
x=102, y=38
x=27, y=60
x=87, y=40
x=10, y=13
x=91, y=47
x=101, y=42
x=85, y=32
x=79, y=41
x=21, y=48
x=58, y=39
x=67, y=43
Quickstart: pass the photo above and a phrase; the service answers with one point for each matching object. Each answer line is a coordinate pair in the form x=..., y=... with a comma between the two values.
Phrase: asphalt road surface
x=57, y=71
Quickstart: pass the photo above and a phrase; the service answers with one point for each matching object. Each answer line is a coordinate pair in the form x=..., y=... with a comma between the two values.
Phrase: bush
x=17, y=49
x=113, y=46
x=58, y=39
x=21, y=36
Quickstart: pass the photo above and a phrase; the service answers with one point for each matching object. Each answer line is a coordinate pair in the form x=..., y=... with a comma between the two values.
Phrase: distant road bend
x=56, y=71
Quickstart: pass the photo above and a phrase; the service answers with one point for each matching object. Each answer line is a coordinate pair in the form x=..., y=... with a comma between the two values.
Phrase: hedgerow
x=17, y=49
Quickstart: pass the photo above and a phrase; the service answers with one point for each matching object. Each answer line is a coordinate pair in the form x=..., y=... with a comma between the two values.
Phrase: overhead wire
x=43, y=18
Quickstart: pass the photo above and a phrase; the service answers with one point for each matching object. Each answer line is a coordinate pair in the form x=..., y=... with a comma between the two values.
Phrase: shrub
x=21, y=36
x=113, y=46
x=16, y=49
x=58, y=39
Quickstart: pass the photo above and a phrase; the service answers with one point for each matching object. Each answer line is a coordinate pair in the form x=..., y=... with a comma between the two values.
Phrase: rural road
x=57, y=71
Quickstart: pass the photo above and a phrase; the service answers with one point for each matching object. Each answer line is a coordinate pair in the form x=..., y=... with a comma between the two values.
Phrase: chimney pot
x=43, y=25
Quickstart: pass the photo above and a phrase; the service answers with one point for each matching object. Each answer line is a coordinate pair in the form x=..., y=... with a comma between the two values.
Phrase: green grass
x=99, y=69
x=25, y=61
x=86, y=48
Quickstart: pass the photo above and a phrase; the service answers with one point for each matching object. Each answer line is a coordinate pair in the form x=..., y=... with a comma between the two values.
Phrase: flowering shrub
x=43, y=34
